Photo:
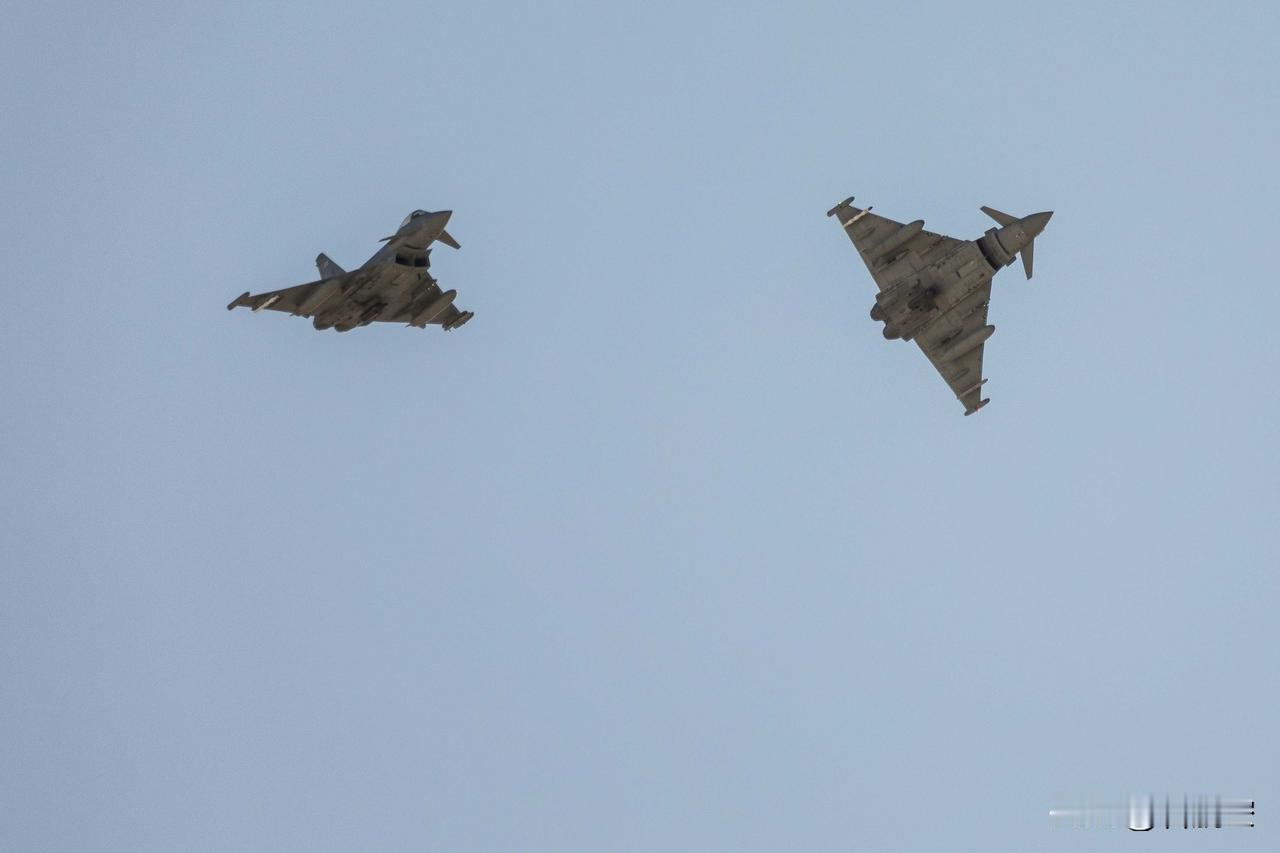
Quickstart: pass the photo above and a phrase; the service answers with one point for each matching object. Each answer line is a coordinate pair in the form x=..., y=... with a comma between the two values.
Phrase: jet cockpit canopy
x=412, y=216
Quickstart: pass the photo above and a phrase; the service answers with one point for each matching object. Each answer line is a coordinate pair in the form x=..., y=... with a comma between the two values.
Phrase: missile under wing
x=935, y=290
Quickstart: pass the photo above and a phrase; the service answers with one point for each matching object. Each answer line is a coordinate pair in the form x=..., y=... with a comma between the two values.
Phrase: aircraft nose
x=1036, y=222
x=429, y=225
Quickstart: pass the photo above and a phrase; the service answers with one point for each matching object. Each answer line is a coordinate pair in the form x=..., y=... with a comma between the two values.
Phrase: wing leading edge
x=301, y=299
x=885, y=244
x=954, y=345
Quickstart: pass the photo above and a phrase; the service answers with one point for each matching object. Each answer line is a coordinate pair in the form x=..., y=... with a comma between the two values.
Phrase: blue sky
x=668, y=548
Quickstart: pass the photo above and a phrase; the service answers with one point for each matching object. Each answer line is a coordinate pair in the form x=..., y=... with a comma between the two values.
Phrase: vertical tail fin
x=327, y=268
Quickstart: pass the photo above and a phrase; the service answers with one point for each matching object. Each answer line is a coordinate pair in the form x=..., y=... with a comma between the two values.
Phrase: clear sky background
x=667, y=549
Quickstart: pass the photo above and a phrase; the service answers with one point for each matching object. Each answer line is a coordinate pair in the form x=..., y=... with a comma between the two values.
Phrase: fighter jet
x=934, y=290
x=393, y=286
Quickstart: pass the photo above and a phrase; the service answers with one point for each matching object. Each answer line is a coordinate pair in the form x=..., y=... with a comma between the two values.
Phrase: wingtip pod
x=257, y=303
x=848, y=201
x=977, y=407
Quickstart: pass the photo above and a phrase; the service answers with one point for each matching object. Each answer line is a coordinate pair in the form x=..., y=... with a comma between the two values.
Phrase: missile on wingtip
x=848, y=223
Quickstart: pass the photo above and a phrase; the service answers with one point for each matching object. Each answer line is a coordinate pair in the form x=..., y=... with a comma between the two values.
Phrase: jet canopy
x=412, y=216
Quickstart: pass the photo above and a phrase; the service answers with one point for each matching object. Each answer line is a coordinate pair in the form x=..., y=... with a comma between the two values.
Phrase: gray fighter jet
x=393, y=286
x=934, y=290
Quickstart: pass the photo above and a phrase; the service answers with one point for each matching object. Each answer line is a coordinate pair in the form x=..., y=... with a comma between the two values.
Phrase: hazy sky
x=668, y=549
